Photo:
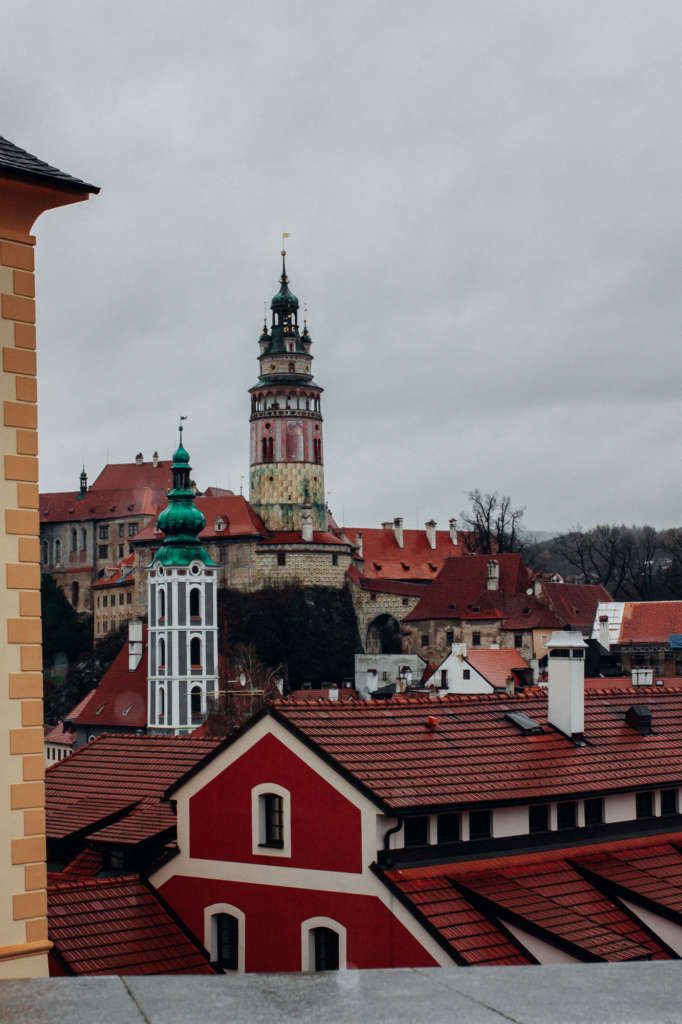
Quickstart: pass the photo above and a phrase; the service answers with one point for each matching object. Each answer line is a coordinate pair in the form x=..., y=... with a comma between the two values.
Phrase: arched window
x=323, y=945
x=195, y=704
x=84, y=539
x=270, y=820
x=161, y=713
x=162, y=655
x=58, y=552
x=195, y=652
x=224, y=935
x=162, y=605
x=74, y=540
x=194, y=603
x=264, y=449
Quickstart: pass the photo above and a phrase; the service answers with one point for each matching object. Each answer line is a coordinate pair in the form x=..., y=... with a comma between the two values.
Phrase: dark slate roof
x=17, y=163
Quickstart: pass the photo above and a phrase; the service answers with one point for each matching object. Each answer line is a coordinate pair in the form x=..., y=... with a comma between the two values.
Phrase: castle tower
x=286, y=422
x=182, y=607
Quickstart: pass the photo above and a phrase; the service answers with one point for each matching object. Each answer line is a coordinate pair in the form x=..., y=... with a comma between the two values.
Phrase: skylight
x=524, y=723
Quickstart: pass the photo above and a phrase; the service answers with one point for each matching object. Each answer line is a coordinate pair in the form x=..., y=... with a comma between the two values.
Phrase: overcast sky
x=484, y=202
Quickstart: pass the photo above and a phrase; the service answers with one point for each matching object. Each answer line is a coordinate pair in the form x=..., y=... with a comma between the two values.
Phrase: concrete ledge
x=637, y=993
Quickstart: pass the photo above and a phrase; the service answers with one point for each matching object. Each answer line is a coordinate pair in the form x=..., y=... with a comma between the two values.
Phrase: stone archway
x=384, y=635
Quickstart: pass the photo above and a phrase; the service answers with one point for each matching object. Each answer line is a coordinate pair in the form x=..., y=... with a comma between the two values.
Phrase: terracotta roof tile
x=120, y=699
x=237, y=516
x=496, y=666
x=650, y=621
x=574, y=604
x=118, y=926
x=461, y=592
x=416, y=560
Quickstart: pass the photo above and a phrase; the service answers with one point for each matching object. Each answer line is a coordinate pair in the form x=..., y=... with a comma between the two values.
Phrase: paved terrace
x=635, y=993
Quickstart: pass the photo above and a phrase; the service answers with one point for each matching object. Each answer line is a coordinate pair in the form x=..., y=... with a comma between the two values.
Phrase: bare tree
x=245, y=686
x=494, y=526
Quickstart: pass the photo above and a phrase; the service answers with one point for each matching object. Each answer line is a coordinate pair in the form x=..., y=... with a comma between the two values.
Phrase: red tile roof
x=122, y=573
x=557, y=895
x=85, y=864
x=59, y=734
x=496, y=666
x=146, y=821
x=118, y=926
x=461, y=592
x=127, y=476
x=113, y=774
x=625, y=683
x=475, y=755
x=233, y=509
x=404, y=588
x=650, y=621
x=416, y=560
x=574, y=604
x=70, y=507
x=120, y=699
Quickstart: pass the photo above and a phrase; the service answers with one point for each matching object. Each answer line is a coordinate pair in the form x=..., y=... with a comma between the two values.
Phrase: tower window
x=195, y=652
x=162, y=606
x=281, y=558
x=292, y=368
x=58, y=552
x=161, y=713
x=84, y=539
x=194, y=599
x=74, y=540
x=195, y=704
x=162, y=655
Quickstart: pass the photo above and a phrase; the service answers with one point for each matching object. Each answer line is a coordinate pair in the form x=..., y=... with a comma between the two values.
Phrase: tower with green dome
x=182, y=609
x=286, y=466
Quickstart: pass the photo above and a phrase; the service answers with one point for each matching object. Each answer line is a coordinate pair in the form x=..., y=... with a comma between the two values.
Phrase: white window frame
x=211, y=932
x=258, y=820
x=308, y=941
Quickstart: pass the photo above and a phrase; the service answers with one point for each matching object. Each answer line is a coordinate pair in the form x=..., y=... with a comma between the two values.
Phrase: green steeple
x=181, y=520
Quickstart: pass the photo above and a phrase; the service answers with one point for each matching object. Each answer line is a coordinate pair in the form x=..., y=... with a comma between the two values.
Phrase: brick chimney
x=431, y=533
x=453, y=530
x=566, y=683
x=493, y=579
x=398, y=531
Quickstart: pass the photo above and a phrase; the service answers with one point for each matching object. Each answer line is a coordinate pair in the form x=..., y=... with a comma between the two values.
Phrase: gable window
x=594, y=811
x=475, y=639
x=443, y=679
x=645, y=804
x=449, y=636
x=449, y=828
x=538, y=818
x=466, y=673
x=480, y=824
x=668, y=802
x=416, y=831
x=566, y=814
x=224, y=936
x=271, y=820
x=323, y=945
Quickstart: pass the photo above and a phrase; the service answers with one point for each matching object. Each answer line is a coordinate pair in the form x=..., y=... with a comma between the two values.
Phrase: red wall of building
x=325, y=827
x=273, y=917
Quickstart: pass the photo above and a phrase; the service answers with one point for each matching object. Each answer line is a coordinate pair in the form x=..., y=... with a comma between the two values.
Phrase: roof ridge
x=81, y=882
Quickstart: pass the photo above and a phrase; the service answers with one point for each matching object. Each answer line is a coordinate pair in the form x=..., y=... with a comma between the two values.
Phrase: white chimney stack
x=358, y=544
x=398, y=531
x=604, y=632
x=566, y=683
x=387, y=526
x=155, y=460
x=431, y=533
x=307, y=523
x=453, y=531
x=493, y=575
x=134, y=644
x=139, y=459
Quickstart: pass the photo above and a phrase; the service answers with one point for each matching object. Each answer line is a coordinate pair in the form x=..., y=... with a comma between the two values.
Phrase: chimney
x=509, y=686
x=566, y=683
x=387, y=526
x=638, y=717
x=139, y=459
x=453, y=531
x=493, y=575
x=604, y=632
x=134, y=644
x=537, y=587
x=642, y=677
x=155, y=460
x=333, y=693
x=358, y=544
x=398, y=531
x=307, y=523
x=431, y=533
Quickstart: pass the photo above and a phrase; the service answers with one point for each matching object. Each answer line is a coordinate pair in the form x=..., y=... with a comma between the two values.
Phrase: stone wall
x=369, y=605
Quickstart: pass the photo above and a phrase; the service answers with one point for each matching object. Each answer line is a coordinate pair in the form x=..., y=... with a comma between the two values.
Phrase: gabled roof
x=475, y=756
x=549, y=895
x=461, y=592
x=416, y=560
x=574, y=604
x=68, y=506
x=118, y=926
x=18, y=163
x=650, y=621
x=496, y=666
x=130, y=476
x=120, y=699
x=236, y=515
x=113, y=774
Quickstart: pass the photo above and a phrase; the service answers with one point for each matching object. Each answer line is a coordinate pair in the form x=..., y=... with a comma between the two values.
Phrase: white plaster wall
x=542, y=951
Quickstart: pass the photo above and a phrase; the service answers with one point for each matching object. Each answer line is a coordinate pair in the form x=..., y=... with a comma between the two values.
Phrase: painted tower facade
x=183, y=616
x=287, y=470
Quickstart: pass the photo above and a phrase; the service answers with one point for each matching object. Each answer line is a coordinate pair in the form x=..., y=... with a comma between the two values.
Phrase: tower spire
x=181, y=520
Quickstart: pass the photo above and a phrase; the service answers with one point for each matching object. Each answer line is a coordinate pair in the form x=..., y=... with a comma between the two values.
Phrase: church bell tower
x=286, y=468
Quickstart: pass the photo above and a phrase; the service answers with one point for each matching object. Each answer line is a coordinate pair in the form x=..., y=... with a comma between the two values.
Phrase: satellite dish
x=529, y=591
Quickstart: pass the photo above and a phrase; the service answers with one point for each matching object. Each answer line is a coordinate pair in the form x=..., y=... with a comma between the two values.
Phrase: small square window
x=281, y=558
x=538, y=818
x=475, y=639
x=594, y=811
x=372, y=597
x=103, y=532
x=668, y=802
x=566, y=814
x=645, y=804
x=132, y=529
x=416, y=831
x=129, y=597
x=449, y=636
x=466, y=673
x=405, y=601
x=121, y=529
x=425, y=640
x=103, y=551
x=518, y=640
x=479, y=824
x=335, y=559
x=449, y=828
